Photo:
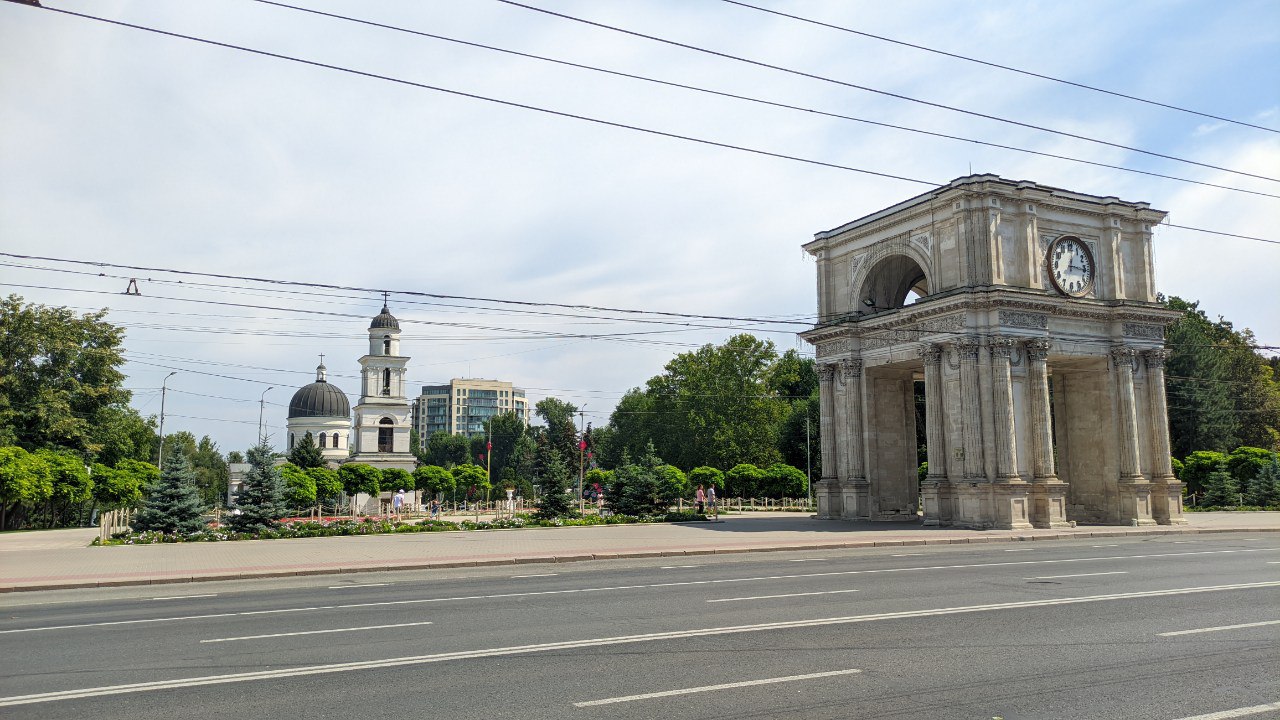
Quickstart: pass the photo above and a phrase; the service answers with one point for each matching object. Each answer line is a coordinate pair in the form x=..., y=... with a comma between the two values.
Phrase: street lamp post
x=808, y=464
x=262, y=402
x=582, y=449
x=163, y=390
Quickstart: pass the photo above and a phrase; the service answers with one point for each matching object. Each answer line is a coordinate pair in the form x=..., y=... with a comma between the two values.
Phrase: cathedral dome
x=319, y=399
x=384, y=320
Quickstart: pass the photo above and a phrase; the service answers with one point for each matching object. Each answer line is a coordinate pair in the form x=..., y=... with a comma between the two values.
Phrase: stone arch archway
x=886, y=279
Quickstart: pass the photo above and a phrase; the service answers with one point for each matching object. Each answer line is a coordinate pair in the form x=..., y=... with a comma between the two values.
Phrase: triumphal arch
x=1027, y=315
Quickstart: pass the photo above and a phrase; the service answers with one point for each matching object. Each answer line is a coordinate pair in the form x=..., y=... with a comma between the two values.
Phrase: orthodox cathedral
x=380, y=433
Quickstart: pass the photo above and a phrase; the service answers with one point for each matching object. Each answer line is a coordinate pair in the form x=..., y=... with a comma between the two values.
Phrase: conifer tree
x=173, y=504
x=555, y=501
x=1264, y=488
x=1219, y=488
x=305, y=454
x=261, y=497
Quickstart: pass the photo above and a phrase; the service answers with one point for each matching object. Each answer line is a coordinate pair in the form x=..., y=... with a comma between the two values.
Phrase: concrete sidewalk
x=62, y=559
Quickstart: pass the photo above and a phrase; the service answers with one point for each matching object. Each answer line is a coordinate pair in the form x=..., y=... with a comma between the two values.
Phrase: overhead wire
x=988, y=63
x=899, y=96
x=747, y=98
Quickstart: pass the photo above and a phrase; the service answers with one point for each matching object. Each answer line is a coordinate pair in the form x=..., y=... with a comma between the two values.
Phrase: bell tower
x=382, y=417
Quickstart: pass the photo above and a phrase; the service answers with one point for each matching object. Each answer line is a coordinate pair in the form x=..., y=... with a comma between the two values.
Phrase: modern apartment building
x=463, y=406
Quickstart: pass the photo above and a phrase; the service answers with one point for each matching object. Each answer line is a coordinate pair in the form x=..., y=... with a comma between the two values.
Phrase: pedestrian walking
x=701, y=498
x=711, y=502
x=435, y=509
x=397, y=502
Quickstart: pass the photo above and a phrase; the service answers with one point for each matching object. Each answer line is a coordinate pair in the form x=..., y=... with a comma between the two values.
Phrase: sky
x=133, y=148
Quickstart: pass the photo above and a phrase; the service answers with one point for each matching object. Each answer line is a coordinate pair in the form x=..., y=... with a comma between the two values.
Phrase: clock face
x=1071, y=266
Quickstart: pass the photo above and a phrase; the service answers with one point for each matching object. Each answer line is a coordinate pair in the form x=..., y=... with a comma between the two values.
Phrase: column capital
x=1001, y=346
x=1037, y=349
x=826, y=372
x=1123, y=355
x=850, y=369
x=1156, y=358
x=931, y=354
x=967, y=347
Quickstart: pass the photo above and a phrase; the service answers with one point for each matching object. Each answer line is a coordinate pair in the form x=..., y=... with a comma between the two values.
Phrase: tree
x=673, y=483
x=261, y=499
x=561, y=431
x=1197, y=466
x=1220, y=489
x=25, y=481
x=632, y=426
x=328, y=486
x=235, y=456
x=743, y=480
x=359, y=478
x=173, y=505
x=59, y=377
x=394, y=479
x=299, y=487
x=642, y=487
x=780, y=480
x=305, y=454
x=115, y=488
x=505, y=431
x=212, y=473
x=473, y=479
x=447, y=450
x=800, y=435
x=556, y=500
x=71, y=485
x=707, y=477
x=1264, y=489
x=144, y=474
x=433, y=480
x=120, y=433
x=1244, y=463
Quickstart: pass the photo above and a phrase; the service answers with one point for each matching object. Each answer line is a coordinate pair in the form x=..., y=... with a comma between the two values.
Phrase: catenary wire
x=821, y=78
x=759, y=101
x=988, y=63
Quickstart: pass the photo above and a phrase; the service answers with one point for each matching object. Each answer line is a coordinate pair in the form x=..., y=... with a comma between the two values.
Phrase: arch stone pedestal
x=1042, y=409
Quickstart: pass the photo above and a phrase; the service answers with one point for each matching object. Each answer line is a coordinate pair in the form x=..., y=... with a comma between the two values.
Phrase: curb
x=546, y=559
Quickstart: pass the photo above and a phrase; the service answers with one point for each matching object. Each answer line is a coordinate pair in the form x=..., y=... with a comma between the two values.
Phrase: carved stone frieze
x=931, y=354
x=833, y=348
x=1151, y=332
x=1023, y=319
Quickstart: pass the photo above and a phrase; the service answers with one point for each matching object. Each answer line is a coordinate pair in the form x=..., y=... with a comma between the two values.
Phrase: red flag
x=481, y=456
x=582, y=445
x=488, y=446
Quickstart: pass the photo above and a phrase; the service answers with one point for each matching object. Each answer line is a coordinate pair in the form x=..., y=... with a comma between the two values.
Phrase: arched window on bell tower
x=386, y=344
x=386, y=381
x=385, y=435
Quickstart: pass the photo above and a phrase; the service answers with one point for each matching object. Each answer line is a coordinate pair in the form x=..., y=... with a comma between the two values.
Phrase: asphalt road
x=1079, y=629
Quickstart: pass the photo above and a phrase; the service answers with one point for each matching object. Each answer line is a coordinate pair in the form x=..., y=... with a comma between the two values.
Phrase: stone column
x=1006, y=443
x=1134, y=491
x=1048, y=493
x=933, y=490
x=1166, y=491
x=971, y=420
x=855, y=490
x=828, y=492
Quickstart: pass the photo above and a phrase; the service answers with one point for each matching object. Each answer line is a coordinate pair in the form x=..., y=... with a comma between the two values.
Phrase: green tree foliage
x=71, y=485
x=447, y=450
x=305, y=454
x=1244, y=463
x=1222, y=393
x=743, y=480
x=780, y=480
x=394, y=479
x=115, y=488
x=433, y=480
x=561, y=432
x=718, y=406
x=1220, y=489
x=328, y=485
x=212, y=473
x=472, y=480
x=597, y=476
x=25, y=481
x=556, y=500
x=642, y=487
x=1177, y=467
x=707, y=477
x=505, y=431
x=120, y=433
x=800, y=437
x=299, y=487
x=59, y=378
x=675, y=484
x=359, y=478
x=632, y=426
x=261, y=500
x=235, y=456
x=1197, y=466
x=173, y=503
x=1263, y=489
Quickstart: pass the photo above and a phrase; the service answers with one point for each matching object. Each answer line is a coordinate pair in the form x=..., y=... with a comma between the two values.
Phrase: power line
x=988, y=63
x=747, y=98
x=886, y=93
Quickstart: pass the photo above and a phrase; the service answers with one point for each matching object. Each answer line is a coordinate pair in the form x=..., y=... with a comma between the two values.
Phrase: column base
x=1048, y=503
x=1166, y=502
x=827, y=493
x=855, y=499
x=1135, y=503
x=1009, y=500
x=935, y=496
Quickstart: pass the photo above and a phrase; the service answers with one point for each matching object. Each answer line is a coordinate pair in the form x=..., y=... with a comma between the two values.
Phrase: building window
x=386, y=344
x=290, y=441
x=385, y=435
x=322, y=439
x=386, y=381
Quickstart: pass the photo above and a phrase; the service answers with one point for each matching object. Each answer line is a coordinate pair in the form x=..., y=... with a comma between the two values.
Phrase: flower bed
x=333, y=527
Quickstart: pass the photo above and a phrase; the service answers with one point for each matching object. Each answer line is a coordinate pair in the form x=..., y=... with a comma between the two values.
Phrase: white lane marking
x=1112, y=545
x=592, y=642
x=1183, y=542
x=1055, y=577
x=185, y=597
x=1020, y=550
x=313, y=632
x=678, y=567
x=1220, y=627
x=906, y=554
x=517, y=577
x=362, y=585
x=682, y=583
x=770, y=597
x=1273, y=562
x=1238, y=712
x=808, y=560
x=708, y=688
